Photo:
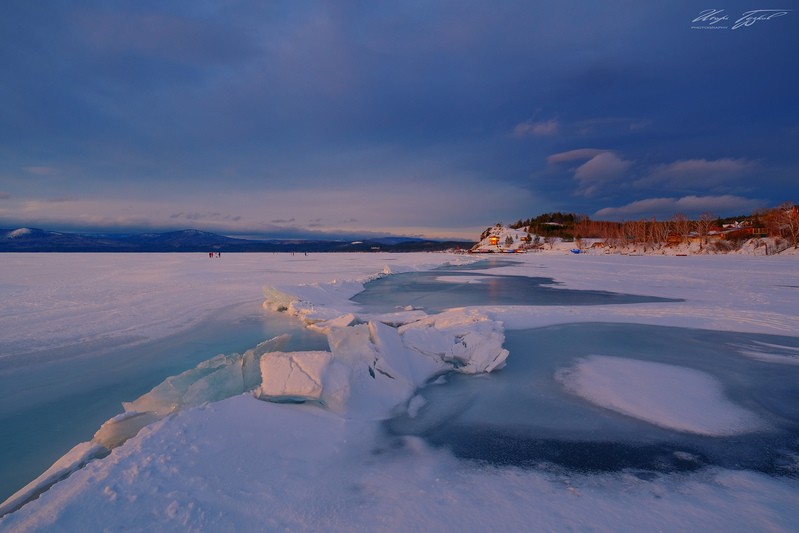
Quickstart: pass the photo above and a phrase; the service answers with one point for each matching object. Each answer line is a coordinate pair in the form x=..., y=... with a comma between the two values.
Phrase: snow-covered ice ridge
x=242, y=463
x=372, y=370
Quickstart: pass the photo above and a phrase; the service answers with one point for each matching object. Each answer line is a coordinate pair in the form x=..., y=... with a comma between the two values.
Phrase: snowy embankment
x=243, y=463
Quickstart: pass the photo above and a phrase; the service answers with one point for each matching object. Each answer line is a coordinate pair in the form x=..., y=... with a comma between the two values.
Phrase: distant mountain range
x=191, y=240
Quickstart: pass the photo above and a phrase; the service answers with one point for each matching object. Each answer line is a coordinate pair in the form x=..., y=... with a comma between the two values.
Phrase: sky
x=434, y=119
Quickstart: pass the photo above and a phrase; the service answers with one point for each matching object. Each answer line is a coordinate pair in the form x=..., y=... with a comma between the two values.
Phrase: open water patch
x=437, y=290
x=524, y=416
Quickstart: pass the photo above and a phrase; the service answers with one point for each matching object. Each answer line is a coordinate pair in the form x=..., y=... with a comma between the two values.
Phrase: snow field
x=244, y=464
x=241, y=464
x=58, y=300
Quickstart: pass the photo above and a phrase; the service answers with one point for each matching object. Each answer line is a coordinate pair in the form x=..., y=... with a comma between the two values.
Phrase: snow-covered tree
x=787, y=219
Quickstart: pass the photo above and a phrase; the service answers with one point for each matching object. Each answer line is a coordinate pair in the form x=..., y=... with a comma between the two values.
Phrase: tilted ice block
x=212, y=380
x=293, y=376
x=117, y=430
x=326, y=326
x=169, y=395
x=277, y=300
x=469, y=341
x=398, y=360
x=399, y=318
x=372, y=369
x=372, y=360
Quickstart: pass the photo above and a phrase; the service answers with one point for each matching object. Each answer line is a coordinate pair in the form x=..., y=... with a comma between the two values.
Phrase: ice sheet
x=246, y=464
x=59, y=300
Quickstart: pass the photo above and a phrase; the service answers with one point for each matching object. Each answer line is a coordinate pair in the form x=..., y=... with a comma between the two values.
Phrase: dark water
x=424, y=290
x=61, y=397
x=521, y=415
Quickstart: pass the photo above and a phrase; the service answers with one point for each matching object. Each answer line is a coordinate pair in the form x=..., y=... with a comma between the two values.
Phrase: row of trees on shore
x=781, y=223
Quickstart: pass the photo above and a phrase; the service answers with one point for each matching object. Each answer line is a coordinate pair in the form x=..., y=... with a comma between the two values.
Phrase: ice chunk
x=293, y=376
x=214, y=379
x=468, y=340
x=398, y=360
x=277, y=300
x=400, y=318
x=341, y=321
x=374, y=369
x=314, y=302
x=117, y=430
x=370, y=359
x=673, y=397
x=218, y=378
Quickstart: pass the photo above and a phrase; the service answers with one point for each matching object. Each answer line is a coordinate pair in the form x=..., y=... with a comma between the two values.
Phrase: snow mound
x=668, y=396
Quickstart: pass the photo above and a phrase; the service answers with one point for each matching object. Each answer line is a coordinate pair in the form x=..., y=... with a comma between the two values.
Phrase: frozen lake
x=450, y=287
x=638, y=393
x=52, y=399
x=523, y=415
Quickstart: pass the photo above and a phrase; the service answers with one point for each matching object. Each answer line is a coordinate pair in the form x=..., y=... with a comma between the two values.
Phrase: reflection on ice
x=668, y=399
x=435, y=292
x=771, y=353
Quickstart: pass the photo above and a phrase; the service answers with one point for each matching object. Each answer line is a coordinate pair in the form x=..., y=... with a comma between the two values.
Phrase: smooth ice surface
x=435, y=292
x=665, y=395
x=524, y=416
x=246, y=464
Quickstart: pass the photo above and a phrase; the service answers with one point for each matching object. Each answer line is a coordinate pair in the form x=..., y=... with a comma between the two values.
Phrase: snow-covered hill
x=501, y=239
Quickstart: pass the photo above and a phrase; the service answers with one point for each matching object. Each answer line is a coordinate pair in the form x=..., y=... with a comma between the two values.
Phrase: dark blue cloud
x=149, y=101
